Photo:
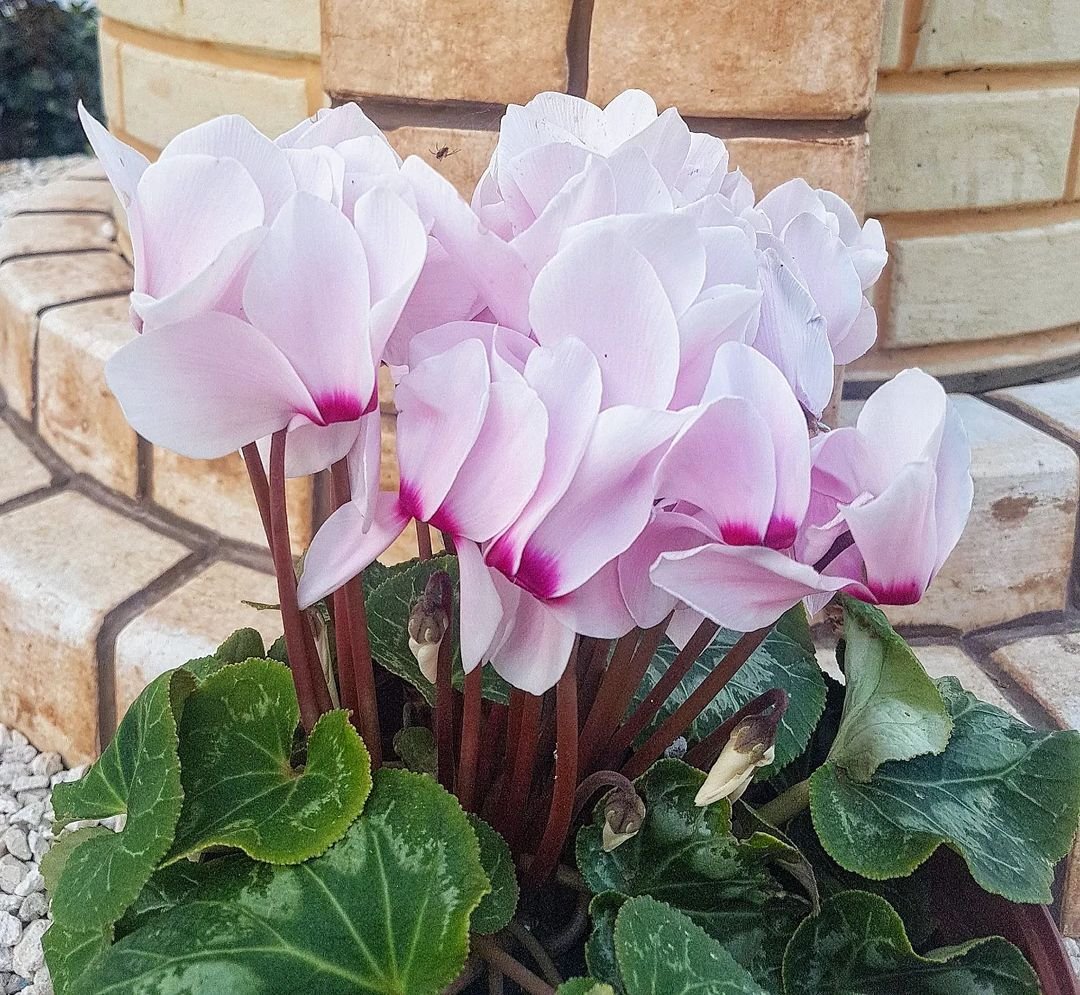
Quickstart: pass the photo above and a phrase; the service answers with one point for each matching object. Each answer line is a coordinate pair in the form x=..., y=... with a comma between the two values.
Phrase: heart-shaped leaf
x=785, y=660
x=584, y=986
x=388, y=608
x=1004, y=795
x=383, y=912
x=689, y=857
x=858, y=944
x=662, y=952
x=243, y=644
x=70, y=950
x=137, y=776
x=892, y=709
x=240, y=790
x=498, y=906
x=600, y=947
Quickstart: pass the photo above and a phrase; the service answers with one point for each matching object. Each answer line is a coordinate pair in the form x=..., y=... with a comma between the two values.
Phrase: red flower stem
x=604, y=713
x=704, y=753
x=293, y=622
x=423, y=540
x=614, y=748
x=566, y=771
x=592, y=661
x=470, y=739
x=623, y=739
x=259, y=486
x=841, y=543
x=342, y=641
x=498, y=958
x=521, y=776
x=362, y=676
x=444, y=711
x=594, y=782
x=679, y=721
x=494, y=730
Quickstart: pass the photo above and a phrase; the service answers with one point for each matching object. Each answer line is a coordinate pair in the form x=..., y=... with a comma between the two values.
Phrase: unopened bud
x=624, y=813
x=428, y=622
x=751, y=745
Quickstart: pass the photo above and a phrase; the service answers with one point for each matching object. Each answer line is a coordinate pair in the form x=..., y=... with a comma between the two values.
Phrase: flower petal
x=536, y=648
x=123, y=164
x=482, y=614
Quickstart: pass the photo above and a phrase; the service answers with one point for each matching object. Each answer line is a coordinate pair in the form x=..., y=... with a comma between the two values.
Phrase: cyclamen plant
x=590, y=736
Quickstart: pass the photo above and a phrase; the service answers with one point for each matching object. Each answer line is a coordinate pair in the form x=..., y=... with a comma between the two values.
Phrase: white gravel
x=26, y=781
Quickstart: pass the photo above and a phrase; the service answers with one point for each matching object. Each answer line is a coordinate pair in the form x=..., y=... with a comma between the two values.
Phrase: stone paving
x=118, y=561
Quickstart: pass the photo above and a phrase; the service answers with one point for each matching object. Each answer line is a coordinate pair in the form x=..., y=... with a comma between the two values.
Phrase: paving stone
x=771, y=59
x=1015, y=556
x=22, y=472
x=33, y=234
x=466, y=50
x=1015, y=148
x=78, y=416
x=962, y=286
x=192, y=622
x=1047, y=667
x=64, y=196
x=941, y=660
x=958, y=33
x=217, y=494
x=27, y=287
x=892, y=34
x=471, y=152
x=64, y=564
x=1056, y=404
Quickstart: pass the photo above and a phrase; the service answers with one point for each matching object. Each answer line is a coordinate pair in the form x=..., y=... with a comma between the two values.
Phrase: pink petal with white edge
x=319, y=172
x=308, y=292
x=482, y=614
x=607, y=504
x=904, y=419
x=396, y=246
x=234, y=137
x=504, y=346
x=604, y=292
x=639, y=188
x=187, y=210
x=441, y=406
x=723, y=314
x=492, y=266
x=503, y=467
x=536, y=648
x=365, y=464
x=739, y=587
x=342, y=548
x=330, y=126
x=860, y=337
x=122, y=164
x=596, y=608
x=665, y=140
x=896, y=535
x=786, y=202
x=566, y=378
x=955, y=489
x=205, y=387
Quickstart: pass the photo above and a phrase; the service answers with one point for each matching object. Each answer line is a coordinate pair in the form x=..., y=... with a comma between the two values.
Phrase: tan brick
x=1015, y=556
x=1047, y=668
x=65, y=562
x=971, y=285
x=77, y=413
x=998, y=32
x=164, y=94
x=730, y=58
x=33, y=234
x=290, y=26
x=217, y=495
x=973, y=149
x=22, y=472
x=91, y=169
x=192, y=622
x=892, y=34
x=837, y=164
x=471, y=151
x=66, y=195
x=27, y=287
x=111, y=86
x=466, y=50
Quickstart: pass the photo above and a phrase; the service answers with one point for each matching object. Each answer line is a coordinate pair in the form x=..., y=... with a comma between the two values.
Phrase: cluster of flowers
x=610, y=368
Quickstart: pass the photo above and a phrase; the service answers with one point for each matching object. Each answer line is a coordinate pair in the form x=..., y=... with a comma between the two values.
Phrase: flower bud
x=428, y=622
x=623, y=816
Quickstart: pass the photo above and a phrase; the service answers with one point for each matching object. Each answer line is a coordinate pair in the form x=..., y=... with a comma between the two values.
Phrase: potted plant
x=585, y=747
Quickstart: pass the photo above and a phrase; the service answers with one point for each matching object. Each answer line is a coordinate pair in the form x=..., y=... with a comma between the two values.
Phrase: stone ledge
x=33, y=235
x=23, y=472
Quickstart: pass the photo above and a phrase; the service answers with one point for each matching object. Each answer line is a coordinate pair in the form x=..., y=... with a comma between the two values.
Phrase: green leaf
x=662, y=952
x=584, y=986
x=56, y=857
x=785, y=660
x=416, y=747
x=388, y=608
x=384, y=912
x=138, y=775
x=600, y=946
x=857, y=945
x=892, y=709
x=689, y=857
x=1004, y=795
x=69, y=951
x=244, y=644
x=498, y=906
x=239, y=788
x=168, y=887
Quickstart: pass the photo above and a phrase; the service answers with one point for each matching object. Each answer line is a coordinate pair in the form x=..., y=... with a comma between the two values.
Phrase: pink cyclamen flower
x=899, y=481
x=197, y=215
x=321, y=296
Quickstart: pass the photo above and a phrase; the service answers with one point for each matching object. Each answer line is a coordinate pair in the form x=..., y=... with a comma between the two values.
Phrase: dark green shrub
x=48, y=63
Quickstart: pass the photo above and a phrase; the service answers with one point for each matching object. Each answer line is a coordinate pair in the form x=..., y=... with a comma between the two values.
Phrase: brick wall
x=973, y=171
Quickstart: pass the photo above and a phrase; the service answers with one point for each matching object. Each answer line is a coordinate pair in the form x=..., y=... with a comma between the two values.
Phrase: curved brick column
x=974, y=166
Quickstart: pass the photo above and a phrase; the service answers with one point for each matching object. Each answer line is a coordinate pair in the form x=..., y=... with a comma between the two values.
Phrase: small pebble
x=46, y=764
x=30, y=815
x=29, y=957
x=15, y=841
x=34, y=906
x=12, y=872
x=33, y=882
x=10, y=929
